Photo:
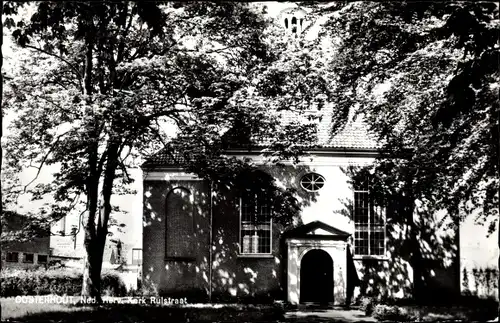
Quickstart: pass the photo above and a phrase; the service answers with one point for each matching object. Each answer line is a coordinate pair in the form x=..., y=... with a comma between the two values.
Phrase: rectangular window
x=369, y=222
x=136, y=256
x=255, y=223
x=12, y=257
x=62, y=226
x=42, y=259
x=28, y=258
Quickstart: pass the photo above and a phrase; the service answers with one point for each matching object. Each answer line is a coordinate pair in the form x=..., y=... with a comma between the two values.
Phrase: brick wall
x=236, y=277
x=183, y=275
x=36, y=259
x=242, y=277
x=38, y=246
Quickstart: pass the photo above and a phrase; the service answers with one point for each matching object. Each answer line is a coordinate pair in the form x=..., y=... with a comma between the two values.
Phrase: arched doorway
x=316, y=277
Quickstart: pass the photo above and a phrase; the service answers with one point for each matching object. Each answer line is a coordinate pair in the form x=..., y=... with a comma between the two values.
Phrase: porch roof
x=316, y=230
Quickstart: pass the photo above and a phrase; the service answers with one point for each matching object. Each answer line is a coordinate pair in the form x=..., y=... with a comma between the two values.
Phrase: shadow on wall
x=346, y=210
x=176, y=247
x=289, y=177
x=246, y=278
x=438, y=239
x=422, y=260
x=480, y=282
x=437, y=278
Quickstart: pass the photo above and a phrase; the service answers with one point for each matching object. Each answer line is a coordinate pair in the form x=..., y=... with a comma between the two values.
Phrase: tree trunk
x=498, y=228
x=91, y=285
x=105, y=166
x=1, y=86
x=95, y=239
x=93, y=253
x=107, y=189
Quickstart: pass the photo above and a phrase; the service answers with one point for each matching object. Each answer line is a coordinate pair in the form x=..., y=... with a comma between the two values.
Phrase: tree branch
x=124, y=33
x=44, y=159
x=56, y=56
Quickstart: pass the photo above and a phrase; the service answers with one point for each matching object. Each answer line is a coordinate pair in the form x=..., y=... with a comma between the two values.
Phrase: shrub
x=148, y=288
x=390, y=313
x=112, y=285
x=367, y=304
x=54, y=281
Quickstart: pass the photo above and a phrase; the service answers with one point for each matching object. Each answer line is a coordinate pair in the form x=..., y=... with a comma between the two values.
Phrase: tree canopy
x=114, y=80
x=425, y=77
x=108, y=81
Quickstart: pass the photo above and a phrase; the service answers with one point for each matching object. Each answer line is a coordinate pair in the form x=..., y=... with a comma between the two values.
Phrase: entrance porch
x=316, y=264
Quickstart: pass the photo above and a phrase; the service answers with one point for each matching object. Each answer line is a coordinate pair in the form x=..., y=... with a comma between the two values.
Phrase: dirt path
x=328, y=315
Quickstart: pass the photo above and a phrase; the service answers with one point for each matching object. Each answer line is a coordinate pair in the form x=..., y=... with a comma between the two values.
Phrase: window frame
x=42, y=262
x=319, y=176
x=240, y=223
x=371, y=208
x=62, y=226
x=12, y=253
x=27, y=261
x=139, y=251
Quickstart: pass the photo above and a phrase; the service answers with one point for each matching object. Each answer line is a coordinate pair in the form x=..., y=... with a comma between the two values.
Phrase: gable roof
x=169, y=156
x=354, y=136
x=309, y=231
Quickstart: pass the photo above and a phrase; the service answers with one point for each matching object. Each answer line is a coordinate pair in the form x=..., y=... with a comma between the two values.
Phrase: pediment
x=321, y=232
x=317, y=229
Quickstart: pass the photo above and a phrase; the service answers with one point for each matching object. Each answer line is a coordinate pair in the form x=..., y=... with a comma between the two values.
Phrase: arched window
x=179, y=224
x=286, y=23
x=294, y=21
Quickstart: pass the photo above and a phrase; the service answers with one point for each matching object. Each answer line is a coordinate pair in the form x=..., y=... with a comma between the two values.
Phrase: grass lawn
x=451, y=313
x=14, y=311
x=442, y=313
x=115, y=312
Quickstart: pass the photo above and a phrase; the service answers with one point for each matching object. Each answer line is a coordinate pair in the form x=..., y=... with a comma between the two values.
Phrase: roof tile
x=354, y=136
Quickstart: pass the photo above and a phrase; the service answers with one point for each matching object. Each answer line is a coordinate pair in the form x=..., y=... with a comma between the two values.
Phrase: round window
x=312, y=182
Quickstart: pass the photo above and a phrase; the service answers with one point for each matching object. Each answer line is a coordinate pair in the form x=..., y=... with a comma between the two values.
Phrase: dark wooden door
x=316, y=277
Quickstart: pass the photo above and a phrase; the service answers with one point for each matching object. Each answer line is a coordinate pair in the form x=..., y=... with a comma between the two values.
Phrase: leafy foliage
x=424, y=75
x=20, y=228
x=367, y=305
x=390, y=313
x=113, y=81
x=191, y=75
x=55, y=282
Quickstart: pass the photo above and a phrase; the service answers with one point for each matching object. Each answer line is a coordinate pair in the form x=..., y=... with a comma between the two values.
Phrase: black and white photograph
x=273, y=161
